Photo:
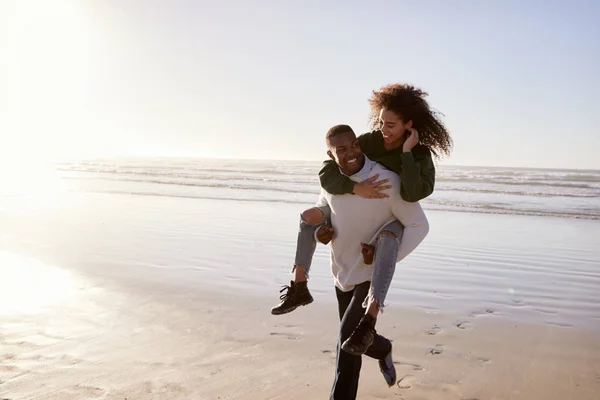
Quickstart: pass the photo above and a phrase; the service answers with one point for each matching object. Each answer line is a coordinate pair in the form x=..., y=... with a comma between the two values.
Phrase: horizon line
x=200, y=157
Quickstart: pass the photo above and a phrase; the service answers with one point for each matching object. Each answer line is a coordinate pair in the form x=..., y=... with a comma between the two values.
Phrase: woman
x=407, y=132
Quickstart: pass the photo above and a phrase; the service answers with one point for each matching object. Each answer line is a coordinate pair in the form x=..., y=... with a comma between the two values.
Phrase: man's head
x=344, y=149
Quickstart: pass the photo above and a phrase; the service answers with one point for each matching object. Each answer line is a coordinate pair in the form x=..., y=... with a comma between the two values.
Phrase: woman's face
x=392, y=126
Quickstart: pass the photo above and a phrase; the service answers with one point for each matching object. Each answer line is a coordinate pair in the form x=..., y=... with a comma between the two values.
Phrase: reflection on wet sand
x=28, y=285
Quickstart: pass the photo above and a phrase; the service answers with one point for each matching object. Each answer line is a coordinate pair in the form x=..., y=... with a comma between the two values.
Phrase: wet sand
x=116, y=297
x=141, y=340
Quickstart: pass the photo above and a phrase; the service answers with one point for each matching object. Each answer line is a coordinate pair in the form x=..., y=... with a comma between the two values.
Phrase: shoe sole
x=387, y=372
x=391, y=382
x=346, y=347
x=289, y=310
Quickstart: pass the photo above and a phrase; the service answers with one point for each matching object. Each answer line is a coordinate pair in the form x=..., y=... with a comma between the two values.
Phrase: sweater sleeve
x=417, y=175
x=333, y=181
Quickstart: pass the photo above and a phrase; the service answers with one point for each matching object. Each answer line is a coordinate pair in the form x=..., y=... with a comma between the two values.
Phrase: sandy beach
x=156, y=158
x=116, y=296
x=135, y=340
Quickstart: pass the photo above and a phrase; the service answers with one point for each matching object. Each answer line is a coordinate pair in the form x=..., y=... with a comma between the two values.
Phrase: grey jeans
x=384, y=264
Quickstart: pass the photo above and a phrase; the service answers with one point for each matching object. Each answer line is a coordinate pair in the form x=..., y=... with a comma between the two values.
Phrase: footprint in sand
x=479, y=313
x=70, y=360
x=8, y=368
x=437, y=350
x=88, y=390
x=406, y=382
x=286, y=326
x=484, y=360
x=285, y=335
x=464, y=325
x=518, y=303
x=150, y=388
x=24, y=344
x=415, y=367
x=434, y=331
x=561, y=324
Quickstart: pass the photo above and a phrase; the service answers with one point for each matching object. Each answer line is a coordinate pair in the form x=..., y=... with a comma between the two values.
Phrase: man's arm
x=415, y=223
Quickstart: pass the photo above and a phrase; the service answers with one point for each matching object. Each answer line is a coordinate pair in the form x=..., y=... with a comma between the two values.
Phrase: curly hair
x=409, y=103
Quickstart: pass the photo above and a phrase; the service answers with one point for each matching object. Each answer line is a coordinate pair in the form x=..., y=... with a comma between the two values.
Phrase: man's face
x=345, y=151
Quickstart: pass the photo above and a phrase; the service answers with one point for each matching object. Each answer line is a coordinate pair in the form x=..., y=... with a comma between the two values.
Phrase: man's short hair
x=337, y=130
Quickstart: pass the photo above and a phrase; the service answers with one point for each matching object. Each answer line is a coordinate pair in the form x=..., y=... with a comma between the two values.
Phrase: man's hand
x=368, y=253
x=371, y=188
x=325, y=234
x=411, y=141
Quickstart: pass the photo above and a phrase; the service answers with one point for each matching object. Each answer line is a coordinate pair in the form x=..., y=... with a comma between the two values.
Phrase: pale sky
x=518, y=81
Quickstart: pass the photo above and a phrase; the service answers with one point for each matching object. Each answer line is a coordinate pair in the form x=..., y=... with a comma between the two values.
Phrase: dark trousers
x=347, y=366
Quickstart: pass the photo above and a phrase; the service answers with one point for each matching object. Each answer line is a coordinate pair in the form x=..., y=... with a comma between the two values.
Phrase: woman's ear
x=409, y=124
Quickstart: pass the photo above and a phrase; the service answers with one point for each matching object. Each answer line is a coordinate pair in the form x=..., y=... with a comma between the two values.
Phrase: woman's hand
x=411, y=141
x=372, y=188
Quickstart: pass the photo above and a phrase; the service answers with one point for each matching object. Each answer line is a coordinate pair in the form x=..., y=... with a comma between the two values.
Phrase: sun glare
x=50, y=62
x=28, y=285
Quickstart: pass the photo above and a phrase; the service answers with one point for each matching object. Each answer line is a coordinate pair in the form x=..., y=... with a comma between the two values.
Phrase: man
x=356, y=220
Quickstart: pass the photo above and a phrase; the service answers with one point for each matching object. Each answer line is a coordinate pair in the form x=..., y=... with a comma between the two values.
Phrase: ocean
x=539, y=192
x=513, y=243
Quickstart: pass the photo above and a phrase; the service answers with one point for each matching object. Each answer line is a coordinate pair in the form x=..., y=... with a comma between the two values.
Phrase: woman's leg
x=310, y=220
x=384, y=266
x=297, y=294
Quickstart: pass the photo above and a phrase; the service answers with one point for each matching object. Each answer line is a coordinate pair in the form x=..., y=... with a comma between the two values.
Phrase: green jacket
x=416, y=169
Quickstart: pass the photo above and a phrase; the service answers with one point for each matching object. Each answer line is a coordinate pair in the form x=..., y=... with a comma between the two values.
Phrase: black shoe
x=362, y=337
x=295, y=295
x=388, y=369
